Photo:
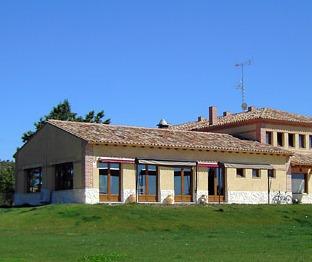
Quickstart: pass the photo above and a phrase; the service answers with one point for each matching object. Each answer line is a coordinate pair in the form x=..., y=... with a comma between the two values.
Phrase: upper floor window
x=256, y=173
x=291, y=140
x=64, y=174
x=34, y=180
x=271, y=173
x=302, y=141
x=268, y=138
x=240, y=172
x=280, y=139
x=310, y=140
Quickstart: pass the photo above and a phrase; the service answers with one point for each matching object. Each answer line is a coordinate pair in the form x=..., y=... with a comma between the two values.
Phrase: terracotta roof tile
x=301, y=159
x=139, y=136
x=257, y=113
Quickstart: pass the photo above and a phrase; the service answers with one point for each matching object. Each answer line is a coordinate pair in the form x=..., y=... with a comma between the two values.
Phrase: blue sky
x=144, y=60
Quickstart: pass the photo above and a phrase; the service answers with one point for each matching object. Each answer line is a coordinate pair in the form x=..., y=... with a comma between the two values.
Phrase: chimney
x=199, y=119
x=251, y=108
x=226, y=113
x=163, y=124
x=213, y=118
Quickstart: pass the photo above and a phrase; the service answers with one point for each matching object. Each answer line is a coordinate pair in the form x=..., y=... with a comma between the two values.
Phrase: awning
x=116, y=160
x=165, y=162
x=207, y=164
x=248, y=166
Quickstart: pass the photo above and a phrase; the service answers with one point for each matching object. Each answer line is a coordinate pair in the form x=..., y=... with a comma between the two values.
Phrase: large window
x=109, y=181
x=147, y=183
x=291, y=140
x=302, y=141
x=299, y=183
x=64, y=174
x=268, y=138
x=34, y=180
x=183, y=184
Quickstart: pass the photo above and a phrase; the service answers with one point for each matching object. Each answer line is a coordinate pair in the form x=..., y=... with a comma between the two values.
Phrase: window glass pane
x=103, y=181
x=269, y=138
x=152, y=168
x=240, y=172
x=298, y=183
x=114, y=182
x=187, y=183
x=271, y=173
x=302, y=141
x=220, y=187
x=102, y=165
x=211, y=181
x=310, y=137
x=141, y=179
x=255, y=173
x=152, y=186
x=114, y=166
x=280, y=139
x=291, y=140
x=177, y=184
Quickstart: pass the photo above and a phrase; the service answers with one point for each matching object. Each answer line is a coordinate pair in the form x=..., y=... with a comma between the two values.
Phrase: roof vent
x=226, y=113
x=251, y=108
x=163, y=124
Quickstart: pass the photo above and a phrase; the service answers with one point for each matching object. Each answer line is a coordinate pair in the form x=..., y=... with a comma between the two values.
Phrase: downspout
x=268, y=188
x=137, y=178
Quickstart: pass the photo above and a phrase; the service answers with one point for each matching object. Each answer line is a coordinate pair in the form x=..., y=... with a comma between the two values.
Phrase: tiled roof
x=125, y=135
x=257, y=113
x=301, y=159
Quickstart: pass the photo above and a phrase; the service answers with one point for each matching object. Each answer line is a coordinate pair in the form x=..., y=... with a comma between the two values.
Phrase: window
x=301, y=141
x=147, y=183
x=240, y=172
x=64, y=176
x=268, y=138
x=256, y=173
x=34, y=180
x=310, y=140
x=291, y=140
x=109, y=181
x=183, y=184
x=271, y=173
x=280, y=139
x=299, y=183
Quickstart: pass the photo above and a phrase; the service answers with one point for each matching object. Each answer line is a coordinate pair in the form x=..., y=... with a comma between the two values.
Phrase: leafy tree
x=6, y=182
x=63, y=111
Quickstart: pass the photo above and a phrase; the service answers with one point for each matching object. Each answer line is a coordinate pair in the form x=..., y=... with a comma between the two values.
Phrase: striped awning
x=248, y=166
x=116, y=160
x=165, y=162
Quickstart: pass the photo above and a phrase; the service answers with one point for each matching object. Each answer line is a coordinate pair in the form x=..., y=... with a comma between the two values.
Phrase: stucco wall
x=50, y=146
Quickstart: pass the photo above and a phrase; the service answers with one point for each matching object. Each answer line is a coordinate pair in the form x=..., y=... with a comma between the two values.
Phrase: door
x=215, y=185
x=147, y=183
x=183, y=184
x=109, y=182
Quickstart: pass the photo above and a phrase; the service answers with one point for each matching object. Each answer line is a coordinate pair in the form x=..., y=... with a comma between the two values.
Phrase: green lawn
x=156, y=233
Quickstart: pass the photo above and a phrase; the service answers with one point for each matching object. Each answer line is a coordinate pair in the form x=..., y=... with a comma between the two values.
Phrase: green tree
x=6, y=182
x=63, y=111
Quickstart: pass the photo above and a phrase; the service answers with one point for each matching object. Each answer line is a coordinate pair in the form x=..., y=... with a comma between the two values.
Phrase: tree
x=6, y=182
x=63, y=111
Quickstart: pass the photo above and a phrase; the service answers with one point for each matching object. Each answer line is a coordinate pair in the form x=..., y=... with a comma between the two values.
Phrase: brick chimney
x=251, y=108
x=213, y=118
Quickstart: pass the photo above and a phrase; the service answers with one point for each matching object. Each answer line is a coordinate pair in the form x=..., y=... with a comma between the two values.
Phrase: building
x=247, y=157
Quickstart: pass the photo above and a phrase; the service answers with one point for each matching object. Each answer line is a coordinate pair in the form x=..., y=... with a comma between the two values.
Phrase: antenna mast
x=241, y=85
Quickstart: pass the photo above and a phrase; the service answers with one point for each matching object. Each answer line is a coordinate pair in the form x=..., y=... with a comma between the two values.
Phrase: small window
x=256, y=173
x=268, y=138
x=302, y=141
x=64, y=174
x=34, y=180
x=271, y=173
x=239, y=172
x=280, y=139
x=291, y=140
x=310, y=140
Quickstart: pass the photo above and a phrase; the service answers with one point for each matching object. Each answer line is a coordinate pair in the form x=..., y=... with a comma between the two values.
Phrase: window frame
x=62, y=184
x=109, y=197
x=29, y=187
x=291, y=135
x=269, y=137
x=184, y=197
x=146, y=197
x=280, y=139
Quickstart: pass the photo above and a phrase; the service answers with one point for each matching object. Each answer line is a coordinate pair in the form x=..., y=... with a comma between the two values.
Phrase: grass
x=156, y=233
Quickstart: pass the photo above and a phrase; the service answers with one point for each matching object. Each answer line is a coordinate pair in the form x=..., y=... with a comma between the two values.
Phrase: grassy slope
x=154, y=233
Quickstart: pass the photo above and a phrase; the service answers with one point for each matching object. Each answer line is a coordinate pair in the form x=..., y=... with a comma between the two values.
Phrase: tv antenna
x=241, y=85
